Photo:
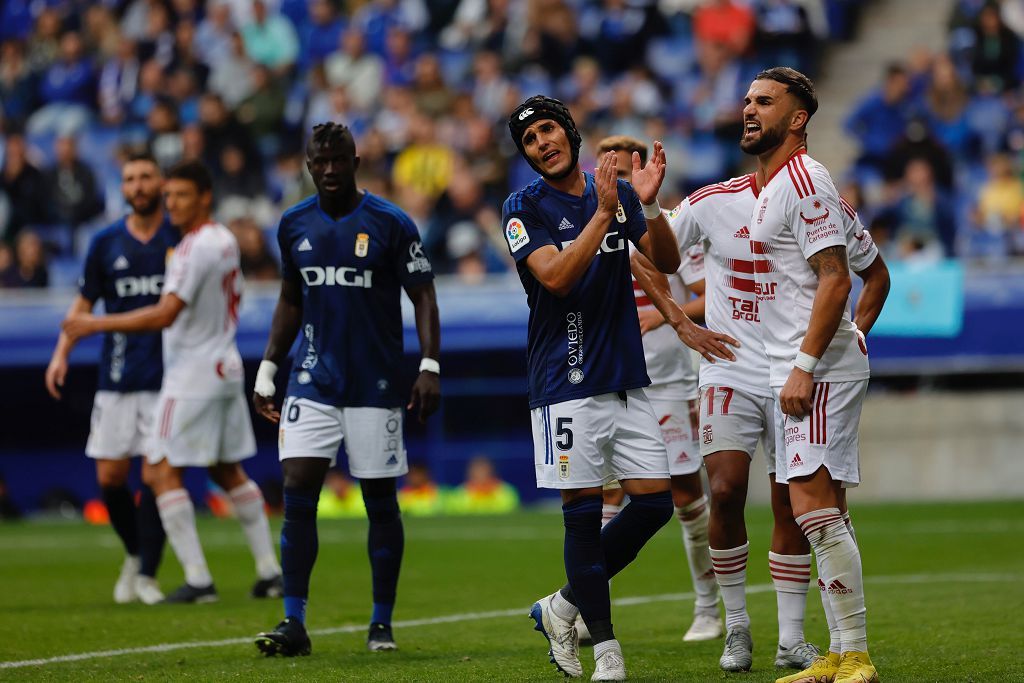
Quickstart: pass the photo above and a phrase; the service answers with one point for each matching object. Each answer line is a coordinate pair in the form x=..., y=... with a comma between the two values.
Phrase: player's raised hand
x=56, y=371
x=795, y=398
x=78, y=325
x=426, y=395
x=647, y=180
x=707, y=343
x=607, y=183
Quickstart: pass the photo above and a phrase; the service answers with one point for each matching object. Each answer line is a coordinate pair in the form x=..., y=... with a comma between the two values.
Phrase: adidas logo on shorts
x=393, y=460
x=796, y=461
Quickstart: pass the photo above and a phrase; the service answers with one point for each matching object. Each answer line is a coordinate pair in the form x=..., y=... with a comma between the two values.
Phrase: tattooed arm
x=833, y=273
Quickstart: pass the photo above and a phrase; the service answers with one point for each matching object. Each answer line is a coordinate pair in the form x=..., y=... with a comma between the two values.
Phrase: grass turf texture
x=944, y=594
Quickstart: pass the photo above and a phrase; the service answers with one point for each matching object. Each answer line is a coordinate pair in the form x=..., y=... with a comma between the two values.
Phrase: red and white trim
x=800, y=177
x=166, y=419
x=818, y=426
x=728, y=187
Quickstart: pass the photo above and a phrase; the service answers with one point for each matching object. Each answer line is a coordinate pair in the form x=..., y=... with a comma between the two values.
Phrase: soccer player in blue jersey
x=346, y=257
x=125, y=268
x=592, y=421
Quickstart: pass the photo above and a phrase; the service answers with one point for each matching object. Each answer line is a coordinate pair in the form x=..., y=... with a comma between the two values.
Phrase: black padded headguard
x=541, y=107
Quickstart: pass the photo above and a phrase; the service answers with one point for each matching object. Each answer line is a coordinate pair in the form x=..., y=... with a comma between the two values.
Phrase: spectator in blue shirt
x=879, y=120
x=320, y=36
x=67, y=91
x=270, y=39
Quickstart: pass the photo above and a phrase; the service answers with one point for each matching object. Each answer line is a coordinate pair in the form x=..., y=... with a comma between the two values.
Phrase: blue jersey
x=128, y=274
x=352, y=272
x=588, y=342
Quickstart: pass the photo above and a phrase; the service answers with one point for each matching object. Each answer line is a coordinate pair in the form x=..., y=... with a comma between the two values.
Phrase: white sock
x=731, y=572
x=840, y=569
x=791, y=575
x=601, y=648
x=698, y=556
x=564, y=609
x=248, y=502
x=834, y=641
x=178, y=516
x=608, y=513
x=849, y=526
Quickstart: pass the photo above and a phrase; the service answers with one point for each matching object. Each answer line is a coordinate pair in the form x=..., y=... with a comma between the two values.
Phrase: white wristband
x=430, y=365
x=651, y=211
x=806, y=362
x=265, y=379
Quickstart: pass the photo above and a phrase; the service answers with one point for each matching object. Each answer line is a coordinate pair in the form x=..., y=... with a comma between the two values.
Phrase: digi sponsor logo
x=707, y=434
x=515, y=233
x=144, y=285
x=607, y=247
x=563, y=466
x=343, y=276
x=418, y=262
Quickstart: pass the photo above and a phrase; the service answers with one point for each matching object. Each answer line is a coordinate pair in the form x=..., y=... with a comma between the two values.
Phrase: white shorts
x=590, y=441
x=201, y=432
x=828, y=436
x=736, y=420
x=678, y=431
x=121, y=425
x=373, y=436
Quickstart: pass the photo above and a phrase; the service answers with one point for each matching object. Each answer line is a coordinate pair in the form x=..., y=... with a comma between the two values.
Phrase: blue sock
x=623, y=537
x=151, y=533
x=385, y=545
x=299, y=545
x=584, y=565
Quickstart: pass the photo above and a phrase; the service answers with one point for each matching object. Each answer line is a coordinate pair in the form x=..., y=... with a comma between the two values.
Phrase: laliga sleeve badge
x=362, y=244
x=563, y=466
x=515, y=233
x=620, y=214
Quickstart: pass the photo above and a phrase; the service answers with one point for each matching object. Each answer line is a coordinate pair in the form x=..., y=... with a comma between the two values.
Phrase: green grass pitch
x=945, y=589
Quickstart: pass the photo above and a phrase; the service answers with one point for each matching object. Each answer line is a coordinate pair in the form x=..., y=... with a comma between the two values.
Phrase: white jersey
x=201, y=359
x=797, y=214
x=669, y=361
x=718, y=216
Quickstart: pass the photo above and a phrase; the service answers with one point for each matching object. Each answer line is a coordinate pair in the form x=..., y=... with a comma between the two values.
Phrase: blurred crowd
x=941, y=143
x=425, y=86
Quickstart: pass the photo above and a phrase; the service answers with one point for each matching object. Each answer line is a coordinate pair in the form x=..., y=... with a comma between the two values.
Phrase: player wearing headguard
x=592, y=422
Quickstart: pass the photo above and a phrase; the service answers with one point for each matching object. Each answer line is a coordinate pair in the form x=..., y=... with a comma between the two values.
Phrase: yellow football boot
x=823, y=670
x=856, y=667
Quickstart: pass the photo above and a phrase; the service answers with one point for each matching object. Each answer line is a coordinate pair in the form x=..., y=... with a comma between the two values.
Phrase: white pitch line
x=493, y=614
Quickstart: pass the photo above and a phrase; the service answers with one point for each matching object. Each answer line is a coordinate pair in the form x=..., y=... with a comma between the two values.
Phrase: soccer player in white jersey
x=818, y=362
x=737, y=408
x=673, y=396
x=202, y=416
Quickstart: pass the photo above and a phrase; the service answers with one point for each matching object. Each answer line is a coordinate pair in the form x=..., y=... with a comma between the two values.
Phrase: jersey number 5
x=564, y=433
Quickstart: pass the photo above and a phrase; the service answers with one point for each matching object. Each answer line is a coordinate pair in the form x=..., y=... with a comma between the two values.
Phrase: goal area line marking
x=492, y=614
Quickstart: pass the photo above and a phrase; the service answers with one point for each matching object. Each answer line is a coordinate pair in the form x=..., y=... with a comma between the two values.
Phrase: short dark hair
x=142, y=155
x=331, y=133
x=194, y=171
x=798, y=85
x=626, y=143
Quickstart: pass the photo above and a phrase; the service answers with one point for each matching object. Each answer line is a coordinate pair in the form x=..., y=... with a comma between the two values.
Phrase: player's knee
x=655, y=507
x=727, y=496
x=582, y=517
